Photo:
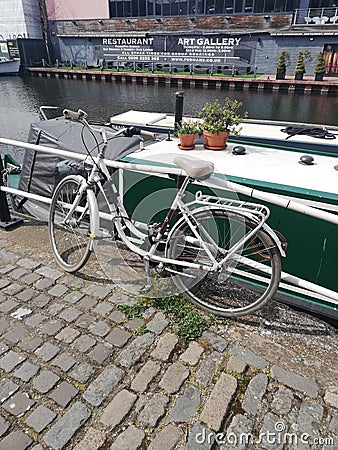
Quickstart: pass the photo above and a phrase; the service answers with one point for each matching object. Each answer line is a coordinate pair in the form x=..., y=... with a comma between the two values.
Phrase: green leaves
x=217, y=117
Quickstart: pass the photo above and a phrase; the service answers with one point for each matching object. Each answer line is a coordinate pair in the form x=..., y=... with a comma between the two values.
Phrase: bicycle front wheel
x=69, y=236
x=245, y=283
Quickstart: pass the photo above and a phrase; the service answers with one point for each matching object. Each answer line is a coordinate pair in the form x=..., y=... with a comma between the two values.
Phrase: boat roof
x=260, y=166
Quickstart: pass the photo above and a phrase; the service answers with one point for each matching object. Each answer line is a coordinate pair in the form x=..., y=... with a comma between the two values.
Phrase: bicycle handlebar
x=72, y=115
x=81, y=116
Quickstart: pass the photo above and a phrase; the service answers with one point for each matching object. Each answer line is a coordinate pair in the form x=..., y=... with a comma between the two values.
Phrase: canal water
x=21, y=98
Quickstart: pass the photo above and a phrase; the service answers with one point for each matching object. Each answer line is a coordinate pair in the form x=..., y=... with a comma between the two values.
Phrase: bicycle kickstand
x=145, y=289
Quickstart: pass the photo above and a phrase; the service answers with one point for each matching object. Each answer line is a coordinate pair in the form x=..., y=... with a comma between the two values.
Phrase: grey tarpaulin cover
x=39, y=170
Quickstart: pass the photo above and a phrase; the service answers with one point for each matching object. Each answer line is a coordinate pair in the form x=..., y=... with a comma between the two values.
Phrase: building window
x=167, y=8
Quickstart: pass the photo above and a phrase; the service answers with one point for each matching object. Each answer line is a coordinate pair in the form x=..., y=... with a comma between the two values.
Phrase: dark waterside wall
x=265, y=82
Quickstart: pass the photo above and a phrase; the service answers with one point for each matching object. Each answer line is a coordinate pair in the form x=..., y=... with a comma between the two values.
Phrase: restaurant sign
x=197, y=49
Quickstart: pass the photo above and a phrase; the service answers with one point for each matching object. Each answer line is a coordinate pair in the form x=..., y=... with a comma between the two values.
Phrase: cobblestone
x=45, y=381
x=200, y=438
x=167, y=438
x=64, y=362
x=18, y=404
x=331, y=399
x=52, y=327
x=208, y=368
x=118, y=337
x=154, y=409
x=100, y=353
x=26, y=295
x=4, y=425
x=60, y=433
x=254, y=393
x=165, y=347
x=103, y=385
x=89, y=381
x=100, y=328
x=83, y=343
x=282, y=401
x=131, y=438
x=8, y=305
x=217, y=404
x=235, y=364
x=192, y=354
x=217, y=342
x=26, y=372
x=70, y=314
x=158, y=324
x=186, y=405
x=11, y=360
x=249, y=357
x=7, y=388
x=174, y=377
x=67, y=334
x=295, y=381
x=309, y=418
x=117, y=409
x=135, y=350
x=82, y=372
x=92, y=440
x=40, y=418
x=47, y=351
x=15, y=334
x=145, y=375
x=16, y=440
x=64, y=393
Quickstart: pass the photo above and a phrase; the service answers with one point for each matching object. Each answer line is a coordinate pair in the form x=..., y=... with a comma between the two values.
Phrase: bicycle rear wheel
x=70, y=240
x=245, y=283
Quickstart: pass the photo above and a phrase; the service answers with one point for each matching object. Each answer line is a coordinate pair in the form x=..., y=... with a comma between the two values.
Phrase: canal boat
x=9, y=66
x=298, y=182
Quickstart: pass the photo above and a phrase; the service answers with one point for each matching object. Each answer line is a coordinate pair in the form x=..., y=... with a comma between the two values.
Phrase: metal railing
x=315, y=17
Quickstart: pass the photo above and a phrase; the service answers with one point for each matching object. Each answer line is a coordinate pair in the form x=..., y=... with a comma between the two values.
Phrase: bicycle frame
x=122, y=221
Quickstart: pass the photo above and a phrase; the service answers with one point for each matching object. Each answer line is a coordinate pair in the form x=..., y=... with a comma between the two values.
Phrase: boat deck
x=261, y=132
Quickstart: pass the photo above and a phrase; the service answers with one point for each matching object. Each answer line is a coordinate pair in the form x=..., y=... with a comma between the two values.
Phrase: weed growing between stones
x=186, y=321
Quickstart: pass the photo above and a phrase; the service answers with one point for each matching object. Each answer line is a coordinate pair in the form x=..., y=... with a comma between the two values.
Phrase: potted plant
x=320, y=67
x=283, y=62
x=302, y=59
x=219, y=120
x=187, y=130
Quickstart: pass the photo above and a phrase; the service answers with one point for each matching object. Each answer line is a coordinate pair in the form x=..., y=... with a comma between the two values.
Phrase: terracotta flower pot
x=186, y=141
x=215, y=141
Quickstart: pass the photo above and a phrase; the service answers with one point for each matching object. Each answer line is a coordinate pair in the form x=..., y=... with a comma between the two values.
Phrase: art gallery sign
x=197, y=49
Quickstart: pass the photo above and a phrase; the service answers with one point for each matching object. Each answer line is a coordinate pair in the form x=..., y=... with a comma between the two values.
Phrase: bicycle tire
x=70, y=243
x=234, y=291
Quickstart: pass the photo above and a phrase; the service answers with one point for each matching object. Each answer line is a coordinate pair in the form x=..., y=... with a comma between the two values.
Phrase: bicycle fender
x=275, y=239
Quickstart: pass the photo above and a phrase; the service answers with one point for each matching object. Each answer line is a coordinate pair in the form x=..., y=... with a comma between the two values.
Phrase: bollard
x=179, y=107
x=6, y=221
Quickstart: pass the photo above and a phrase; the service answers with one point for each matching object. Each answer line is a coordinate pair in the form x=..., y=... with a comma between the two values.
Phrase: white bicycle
x=219, y=253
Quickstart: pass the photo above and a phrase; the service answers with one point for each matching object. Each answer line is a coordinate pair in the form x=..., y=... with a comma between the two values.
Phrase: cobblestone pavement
x=76, y=373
